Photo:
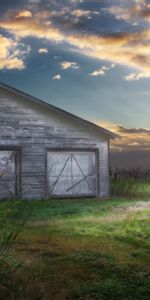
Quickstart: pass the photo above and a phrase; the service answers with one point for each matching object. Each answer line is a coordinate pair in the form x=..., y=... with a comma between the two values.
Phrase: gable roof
x=108, y=134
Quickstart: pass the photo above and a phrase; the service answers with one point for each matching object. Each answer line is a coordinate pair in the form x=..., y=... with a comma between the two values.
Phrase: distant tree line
x=131, y=173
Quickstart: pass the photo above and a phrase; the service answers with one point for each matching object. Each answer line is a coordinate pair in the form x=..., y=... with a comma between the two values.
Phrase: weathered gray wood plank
x=36, y=130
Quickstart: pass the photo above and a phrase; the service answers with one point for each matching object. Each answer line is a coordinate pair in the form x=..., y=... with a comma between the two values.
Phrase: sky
x=89, y=57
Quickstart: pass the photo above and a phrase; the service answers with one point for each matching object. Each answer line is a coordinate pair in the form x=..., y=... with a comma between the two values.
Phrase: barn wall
x=34, y=129
x=104, y=169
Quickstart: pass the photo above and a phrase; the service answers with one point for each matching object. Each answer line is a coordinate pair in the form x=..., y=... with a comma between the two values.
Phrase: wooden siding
x=9, y=173
x=35, y=129
x=71, y=173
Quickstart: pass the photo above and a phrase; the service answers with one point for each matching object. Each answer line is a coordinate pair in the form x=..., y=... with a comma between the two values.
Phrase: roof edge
x=105, y=132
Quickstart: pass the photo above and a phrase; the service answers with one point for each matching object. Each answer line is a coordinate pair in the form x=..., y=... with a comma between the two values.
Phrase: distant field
x=81, y=249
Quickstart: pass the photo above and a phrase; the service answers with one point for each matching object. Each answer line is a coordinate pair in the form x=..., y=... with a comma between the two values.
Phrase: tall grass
x=130, y=183
x=12, y=220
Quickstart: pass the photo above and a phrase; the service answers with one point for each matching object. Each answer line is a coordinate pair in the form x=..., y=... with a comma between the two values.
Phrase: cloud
x=101, y=71
x=57, y=57
x=81, y=13
x=24, y=14
x=137, y=76
x=98, y=72
x=12, y=54
x=140, y=10
x=84, y=13
x=131, y=49
x=125, y=130
x=57, y=77
x=43, y=50
x=38, y=26
x=69, y=65
x=113, y=65
x=130, y=138
x=119, y=12
x=137, y=10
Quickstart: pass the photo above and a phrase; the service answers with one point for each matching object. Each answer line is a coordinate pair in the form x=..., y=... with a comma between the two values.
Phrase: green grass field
x=81, y=249
x=130, y=188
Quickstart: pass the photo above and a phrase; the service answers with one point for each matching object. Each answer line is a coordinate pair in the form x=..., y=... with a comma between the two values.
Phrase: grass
x=12, y=220
x=130, y=187
x=83, y=249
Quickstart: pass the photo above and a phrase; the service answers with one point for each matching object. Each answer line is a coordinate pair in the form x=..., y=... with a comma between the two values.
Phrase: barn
x=46, y=152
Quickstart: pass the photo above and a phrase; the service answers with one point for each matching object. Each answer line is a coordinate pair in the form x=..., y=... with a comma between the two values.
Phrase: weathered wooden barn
x=47, y=152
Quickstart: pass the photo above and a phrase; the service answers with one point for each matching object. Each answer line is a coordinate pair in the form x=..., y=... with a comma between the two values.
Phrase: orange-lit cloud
x=138, y=10
x=11, y=57
x=69, y=65
x=130, y=49
x=83, y=13
x=24, y=14
x=130, y=138
x=38, y=26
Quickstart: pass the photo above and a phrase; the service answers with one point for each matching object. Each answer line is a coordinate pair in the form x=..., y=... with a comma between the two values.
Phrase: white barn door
x=71, y=173
x=8, y=174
